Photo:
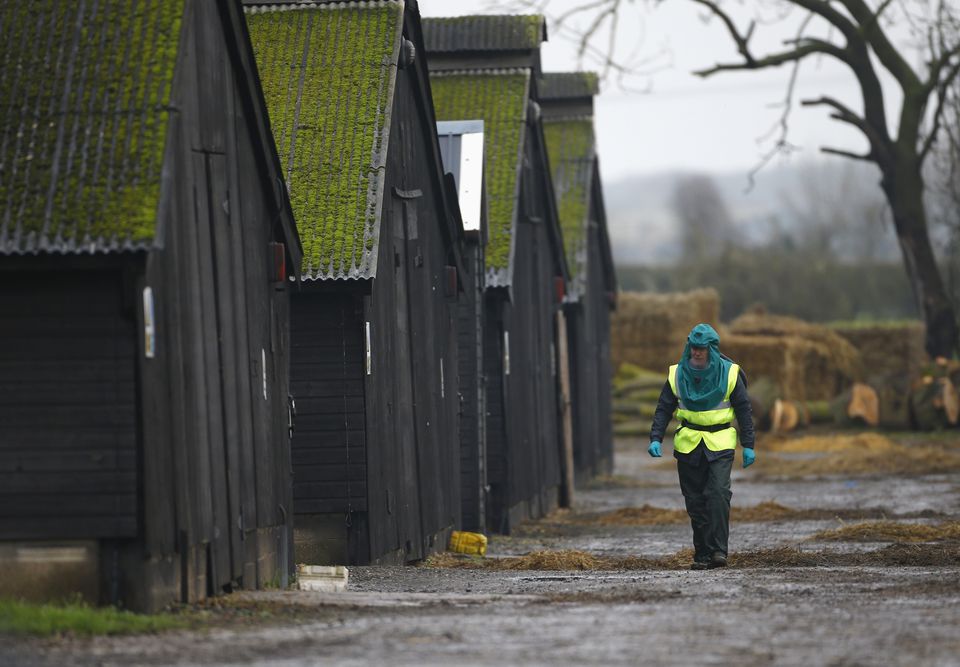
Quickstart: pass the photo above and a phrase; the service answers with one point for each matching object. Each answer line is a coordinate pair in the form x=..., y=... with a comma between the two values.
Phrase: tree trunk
x=903, y=187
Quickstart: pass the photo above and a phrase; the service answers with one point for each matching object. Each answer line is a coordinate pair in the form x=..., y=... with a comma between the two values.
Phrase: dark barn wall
x=473, y=455
x=495, y=342
x=598, y=297
x=525, y=464
x=589, y=326
x=401, y=417
x=216, y=466
x=68, y=414
x=413, y=326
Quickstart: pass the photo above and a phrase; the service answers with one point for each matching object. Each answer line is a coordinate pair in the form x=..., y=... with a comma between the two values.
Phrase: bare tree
x=857, y=34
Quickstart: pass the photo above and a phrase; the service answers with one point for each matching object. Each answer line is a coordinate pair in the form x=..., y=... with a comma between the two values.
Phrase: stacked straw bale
x=893, y=358
x=649, y=330
x=888, y=349
x=806, y=361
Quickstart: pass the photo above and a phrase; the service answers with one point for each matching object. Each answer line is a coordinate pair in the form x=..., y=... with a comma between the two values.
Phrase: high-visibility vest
x=715, y=437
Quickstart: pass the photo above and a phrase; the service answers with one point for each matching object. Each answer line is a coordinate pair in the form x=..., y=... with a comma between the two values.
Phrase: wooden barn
x=145, y=256
x=374, y=335
x=567, y=100
x=487, y=68
x=461, y=145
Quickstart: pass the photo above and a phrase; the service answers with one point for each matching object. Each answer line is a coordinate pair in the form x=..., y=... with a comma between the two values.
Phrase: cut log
x=934, y=403
x=818, y=412
x=763, y=394
x=858, y=405
x=864, y=404
x=950, y=400
x=784, y=417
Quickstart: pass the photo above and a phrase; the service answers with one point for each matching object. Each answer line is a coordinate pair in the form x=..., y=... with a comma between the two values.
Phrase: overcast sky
x=688, y=123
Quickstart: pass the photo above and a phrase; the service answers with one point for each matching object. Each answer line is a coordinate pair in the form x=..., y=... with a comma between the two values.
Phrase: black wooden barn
x=486, y=67
x=567, y=100
x=145, y=249
x=374, y=362
x=461, y=144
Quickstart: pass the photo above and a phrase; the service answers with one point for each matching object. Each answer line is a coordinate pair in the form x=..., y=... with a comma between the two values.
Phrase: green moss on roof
x=570, y=150
x=328, y=74
x=500, y=100
x=84, y=98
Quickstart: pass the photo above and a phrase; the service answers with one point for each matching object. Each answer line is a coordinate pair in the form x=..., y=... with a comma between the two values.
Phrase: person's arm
x=666, y=406
x=740, y=401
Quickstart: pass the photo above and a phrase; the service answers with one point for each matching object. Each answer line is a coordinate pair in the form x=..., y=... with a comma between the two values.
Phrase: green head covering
x=703, y=388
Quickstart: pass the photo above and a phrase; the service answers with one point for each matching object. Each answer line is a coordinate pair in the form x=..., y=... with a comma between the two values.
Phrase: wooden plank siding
x=376, y=452
x=524, y=458
x=329, y=443
x=68, y=418
x=473, y=449
x=175, y=460
x=215, y=455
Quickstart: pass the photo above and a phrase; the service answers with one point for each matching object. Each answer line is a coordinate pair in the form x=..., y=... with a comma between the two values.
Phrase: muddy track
x=786, y=599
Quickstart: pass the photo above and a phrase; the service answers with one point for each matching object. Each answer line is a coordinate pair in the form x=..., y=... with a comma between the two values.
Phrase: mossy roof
x=84, y=108
x=498, y=98
x=571, y=151
x=512, y=32
x=564, y=85
x=328, y=73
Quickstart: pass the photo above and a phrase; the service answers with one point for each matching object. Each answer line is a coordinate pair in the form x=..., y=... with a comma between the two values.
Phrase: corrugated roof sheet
x=484, y=33
x=328, y=74
x=84, y=96
x=571, y=150
x=561, y=85
x=499, y=99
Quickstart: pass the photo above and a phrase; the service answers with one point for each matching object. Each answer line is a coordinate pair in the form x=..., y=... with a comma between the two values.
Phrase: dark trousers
x=706, y=490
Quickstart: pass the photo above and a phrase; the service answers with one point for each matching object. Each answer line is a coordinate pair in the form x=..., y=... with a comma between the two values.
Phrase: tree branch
x=942, y=95
x=870, y=30
x=808, y=47
x=742, y=41
x=843, y=112
x=868, y=157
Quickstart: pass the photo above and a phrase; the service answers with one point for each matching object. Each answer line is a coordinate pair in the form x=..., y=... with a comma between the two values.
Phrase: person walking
x=706, y=390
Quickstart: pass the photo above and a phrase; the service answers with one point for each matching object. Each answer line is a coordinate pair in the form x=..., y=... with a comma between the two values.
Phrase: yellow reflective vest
x=687, y=436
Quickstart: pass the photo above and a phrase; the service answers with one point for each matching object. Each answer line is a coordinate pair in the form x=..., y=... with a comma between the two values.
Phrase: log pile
x=649, y=330
x=893, y=358
x=933, y=401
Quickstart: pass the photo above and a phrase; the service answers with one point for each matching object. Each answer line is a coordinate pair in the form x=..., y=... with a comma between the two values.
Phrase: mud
x=788, y=598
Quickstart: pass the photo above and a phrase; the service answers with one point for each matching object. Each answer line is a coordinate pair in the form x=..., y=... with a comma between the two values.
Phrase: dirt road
x=874, y=614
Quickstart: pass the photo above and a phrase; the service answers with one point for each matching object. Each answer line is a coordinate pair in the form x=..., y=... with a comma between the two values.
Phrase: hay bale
x=887, y=349
x=782, y=360
x=649, y=329
x=808, y=361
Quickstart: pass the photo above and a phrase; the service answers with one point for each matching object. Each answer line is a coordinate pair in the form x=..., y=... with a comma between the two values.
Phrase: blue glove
x=654, y=449
x=748, y=457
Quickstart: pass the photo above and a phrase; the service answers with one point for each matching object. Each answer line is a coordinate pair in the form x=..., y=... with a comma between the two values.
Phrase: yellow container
x=468, y=543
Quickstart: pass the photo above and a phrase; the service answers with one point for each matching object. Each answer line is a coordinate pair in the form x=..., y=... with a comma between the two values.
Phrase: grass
x=78, y=619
